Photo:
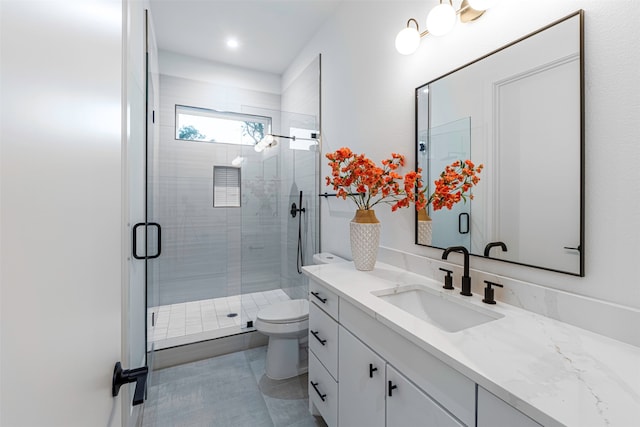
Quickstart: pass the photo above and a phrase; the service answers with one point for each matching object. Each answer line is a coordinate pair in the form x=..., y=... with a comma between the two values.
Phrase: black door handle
x=124, y=376
x=159, y=246
x=460, y=229
x=135, y=240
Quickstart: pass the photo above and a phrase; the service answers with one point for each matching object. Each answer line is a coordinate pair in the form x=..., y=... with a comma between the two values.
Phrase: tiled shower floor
x=188, y=322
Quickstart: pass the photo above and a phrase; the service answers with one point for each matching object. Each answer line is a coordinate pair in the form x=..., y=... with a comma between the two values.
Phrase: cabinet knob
x=391, y=388
x=371, y=370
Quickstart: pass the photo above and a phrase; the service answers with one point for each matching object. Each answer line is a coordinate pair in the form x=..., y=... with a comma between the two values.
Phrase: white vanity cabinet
x=375, y=394
x=360, y=359
x=493, y=411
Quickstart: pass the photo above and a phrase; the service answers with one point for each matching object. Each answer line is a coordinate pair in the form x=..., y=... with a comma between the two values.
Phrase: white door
x=63, y=238
x=535, y=231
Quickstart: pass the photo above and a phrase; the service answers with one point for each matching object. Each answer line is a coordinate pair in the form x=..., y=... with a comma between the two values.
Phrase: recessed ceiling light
x=233, y=43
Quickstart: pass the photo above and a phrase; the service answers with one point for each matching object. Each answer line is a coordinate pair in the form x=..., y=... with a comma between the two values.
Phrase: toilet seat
x=291, y=311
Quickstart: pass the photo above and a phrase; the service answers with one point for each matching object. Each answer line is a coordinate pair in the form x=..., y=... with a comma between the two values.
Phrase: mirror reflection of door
x=446, y=144
x=535, y=212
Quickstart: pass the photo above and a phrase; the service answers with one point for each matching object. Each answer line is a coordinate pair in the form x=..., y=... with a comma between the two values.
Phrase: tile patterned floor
x=194, y=321
x=229, y=390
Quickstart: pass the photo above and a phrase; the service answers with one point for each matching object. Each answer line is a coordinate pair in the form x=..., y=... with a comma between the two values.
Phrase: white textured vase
x=425, y=228
x=425, y=232
x=365, y=239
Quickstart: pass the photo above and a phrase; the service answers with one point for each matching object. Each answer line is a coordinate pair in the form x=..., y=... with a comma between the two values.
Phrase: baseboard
x=193, y=352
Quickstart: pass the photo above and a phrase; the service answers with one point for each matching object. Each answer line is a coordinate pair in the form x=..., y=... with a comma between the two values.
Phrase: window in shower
x=226, y=187
x=206, y=125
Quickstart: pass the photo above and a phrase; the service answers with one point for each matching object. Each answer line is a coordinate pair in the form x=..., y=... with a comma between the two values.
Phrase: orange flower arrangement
x=359, y=178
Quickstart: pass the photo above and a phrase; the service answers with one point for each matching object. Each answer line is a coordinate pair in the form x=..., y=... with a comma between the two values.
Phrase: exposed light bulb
x=259, y=147
x=237, y=161
x=482, y=4
x=268, y=139
x=233, y=43
x=441, y=19
x=407, y=41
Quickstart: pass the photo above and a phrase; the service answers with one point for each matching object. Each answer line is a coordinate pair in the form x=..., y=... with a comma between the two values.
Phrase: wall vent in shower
x=226, y=187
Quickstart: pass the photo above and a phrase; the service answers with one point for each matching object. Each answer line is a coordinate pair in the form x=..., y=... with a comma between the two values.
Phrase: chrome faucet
x=493, y=245
x=466, y=280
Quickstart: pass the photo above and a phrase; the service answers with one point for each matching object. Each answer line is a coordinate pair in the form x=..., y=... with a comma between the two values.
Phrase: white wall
x=189, y=67
x=368, y=105
x=61, y=211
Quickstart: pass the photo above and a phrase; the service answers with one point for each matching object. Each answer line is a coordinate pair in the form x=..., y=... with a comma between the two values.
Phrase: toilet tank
x=327, y=258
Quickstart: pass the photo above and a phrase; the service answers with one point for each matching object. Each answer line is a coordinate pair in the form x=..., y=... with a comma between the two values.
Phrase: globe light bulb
x=482, y=4
x=407, y=41
x=267, y=140
x=441, y=19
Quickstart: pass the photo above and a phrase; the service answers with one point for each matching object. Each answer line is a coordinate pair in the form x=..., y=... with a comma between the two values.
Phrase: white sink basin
x=444, y=311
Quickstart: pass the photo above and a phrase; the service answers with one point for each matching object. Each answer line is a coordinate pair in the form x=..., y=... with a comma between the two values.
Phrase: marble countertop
x=558, y=374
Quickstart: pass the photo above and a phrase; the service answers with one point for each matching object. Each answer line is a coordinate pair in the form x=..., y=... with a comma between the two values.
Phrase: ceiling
x=271, y=33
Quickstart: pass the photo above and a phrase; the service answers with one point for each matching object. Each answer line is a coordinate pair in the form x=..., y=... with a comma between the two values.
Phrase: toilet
x=286, y=323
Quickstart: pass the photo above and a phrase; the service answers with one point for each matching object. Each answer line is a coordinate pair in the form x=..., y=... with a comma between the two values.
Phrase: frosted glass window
x=206, y=125
x=226, y=187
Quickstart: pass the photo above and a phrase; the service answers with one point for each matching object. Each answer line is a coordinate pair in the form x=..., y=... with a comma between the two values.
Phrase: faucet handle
x=448, y=279
x=489, y=293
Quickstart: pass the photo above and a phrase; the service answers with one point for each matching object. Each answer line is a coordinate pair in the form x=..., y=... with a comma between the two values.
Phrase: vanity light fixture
x=270, y=140
x=440, y=21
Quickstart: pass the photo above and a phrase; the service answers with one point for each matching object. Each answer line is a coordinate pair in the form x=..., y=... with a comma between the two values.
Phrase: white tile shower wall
x=209, y=252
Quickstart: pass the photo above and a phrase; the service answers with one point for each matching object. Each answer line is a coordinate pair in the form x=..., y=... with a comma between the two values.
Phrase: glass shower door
x=446, y=144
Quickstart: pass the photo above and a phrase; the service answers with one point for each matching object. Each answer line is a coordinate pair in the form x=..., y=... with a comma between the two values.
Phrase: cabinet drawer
x=323, y=338
x=323, y=392
x=324, y=298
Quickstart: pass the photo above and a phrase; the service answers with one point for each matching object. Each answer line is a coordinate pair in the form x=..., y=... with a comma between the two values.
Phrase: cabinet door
x=407, y=405
x=361, y=384
x=493, y=411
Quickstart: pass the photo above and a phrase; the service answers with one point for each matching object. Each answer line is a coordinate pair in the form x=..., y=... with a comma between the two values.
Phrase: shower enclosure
x=228, y=241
